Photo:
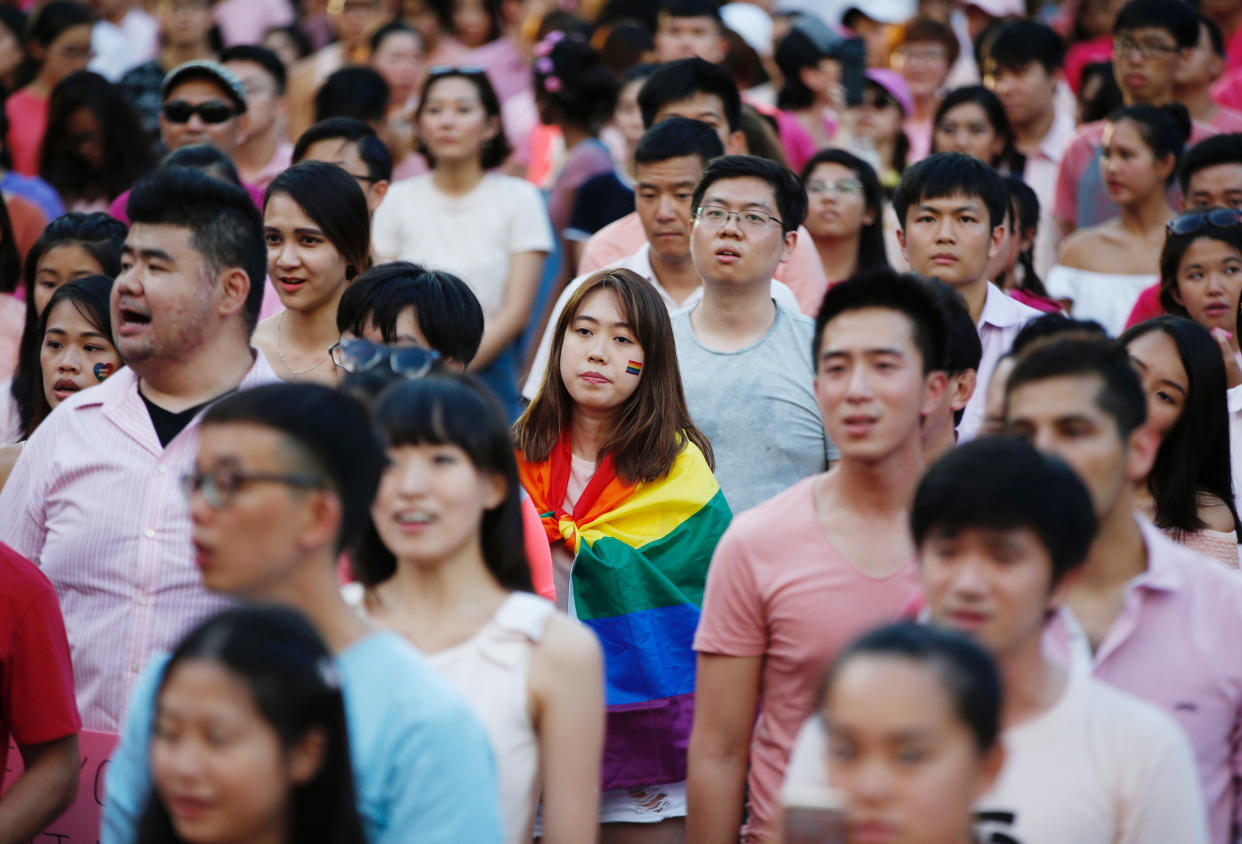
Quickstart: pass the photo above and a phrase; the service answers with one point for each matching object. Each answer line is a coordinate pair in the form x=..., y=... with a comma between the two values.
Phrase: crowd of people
x=622, y=421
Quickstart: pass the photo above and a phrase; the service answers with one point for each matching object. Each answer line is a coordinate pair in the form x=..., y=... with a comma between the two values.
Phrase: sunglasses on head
x=179, y=111
x=465, y=70
x=1194, y=221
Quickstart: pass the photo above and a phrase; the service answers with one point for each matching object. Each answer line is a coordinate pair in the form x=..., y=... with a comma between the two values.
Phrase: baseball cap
x=895, y=84
x=212, y=71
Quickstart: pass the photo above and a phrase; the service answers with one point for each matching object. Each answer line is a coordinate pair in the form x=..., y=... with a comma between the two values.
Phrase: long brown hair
x=651, y=428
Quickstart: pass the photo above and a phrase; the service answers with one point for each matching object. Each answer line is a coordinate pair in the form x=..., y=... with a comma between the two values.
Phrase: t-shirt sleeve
x=732, y=622
x=530, y=230
x=1163, y=801
x=1073, y=163
x=22, y=501
x=127, y=785
x=37, y=677
x=445, y=785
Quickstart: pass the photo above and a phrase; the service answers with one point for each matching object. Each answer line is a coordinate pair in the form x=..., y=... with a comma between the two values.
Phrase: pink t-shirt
x=795, y=602
x=802, y=273
x=27, y=121
x=1172, y=646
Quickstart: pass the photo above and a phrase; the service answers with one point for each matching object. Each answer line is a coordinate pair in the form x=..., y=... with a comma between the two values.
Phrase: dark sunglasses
x=878, y=100
x=358, y=355
x=1194, y=221
x=179, y=111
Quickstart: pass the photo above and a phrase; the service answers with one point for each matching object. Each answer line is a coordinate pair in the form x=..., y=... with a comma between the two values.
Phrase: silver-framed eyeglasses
x=1123, y=47
x=357, y=355
x=753, y=222
x=841, y=187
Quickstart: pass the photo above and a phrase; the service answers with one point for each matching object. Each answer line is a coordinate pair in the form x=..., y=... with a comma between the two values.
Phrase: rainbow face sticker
x=102, y=371
x=633, y=367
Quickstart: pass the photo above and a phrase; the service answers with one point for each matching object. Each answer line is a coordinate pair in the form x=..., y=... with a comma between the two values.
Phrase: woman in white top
x=1102, y=269
x=448, y=511
x=1188, y=493
x=317, y=230
x=486, y=228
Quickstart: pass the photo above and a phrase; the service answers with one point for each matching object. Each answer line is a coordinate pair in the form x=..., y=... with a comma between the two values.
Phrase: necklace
x=295, y=372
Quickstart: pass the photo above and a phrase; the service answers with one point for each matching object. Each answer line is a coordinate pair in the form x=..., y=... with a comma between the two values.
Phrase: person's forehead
x=698, y=103
x=246, y=70
x=334, y=151
x=868, y=329
x=175, y=240
x=248, y=443
x=1147, y=34
x=1058, y=396
x=677, y=169
x=744, y=190
x=1225, y=177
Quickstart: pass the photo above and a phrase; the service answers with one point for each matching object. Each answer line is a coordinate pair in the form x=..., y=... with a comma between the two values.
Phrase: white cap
x=753, y=24
x=884, y=11
x=999, y=8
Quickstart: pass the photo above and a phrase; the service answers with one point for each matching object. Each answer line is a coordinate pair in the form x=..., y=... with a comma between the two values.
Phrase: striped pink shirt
x=95, y=502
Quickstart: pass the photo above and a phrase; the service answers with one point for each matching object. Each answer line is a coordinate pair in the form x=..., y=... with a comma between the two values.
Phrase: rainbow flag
x=640, y=564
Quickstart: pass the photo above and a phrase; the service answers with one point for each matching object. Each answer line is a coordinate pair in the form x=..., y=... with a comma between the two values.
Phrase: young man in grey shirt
x=745, y=361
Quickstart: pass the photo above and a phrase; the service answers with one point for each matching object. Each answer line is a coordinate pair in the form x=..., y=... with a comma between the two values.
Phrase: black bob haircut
x=682, y=79
x=1121, y=393
x=674, y=137
x=456, y=410
x=1017, y=44
x=966, y=671
x=946, y=174
x=225, y=226
x=353, y=91
x=1178, y=18
x=1004, y=483
x=448, y=313
x=1209, y=152
x=373, y=152
x=904, y=293
x=791, y=201
x=330, y=436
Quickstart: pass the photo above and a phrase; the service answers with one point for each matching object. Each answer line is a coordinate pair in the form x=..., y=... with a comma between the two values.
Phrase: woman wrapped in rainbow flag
x=623, y=482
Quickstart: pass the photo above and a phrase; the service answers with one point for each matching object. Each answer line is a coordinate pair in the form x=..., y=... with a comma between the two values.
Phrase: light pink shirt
x=1175, y=645
x=1041, y=174
x=247, y=21
x=1001, y=320
x=279, y=162
x=96, y=503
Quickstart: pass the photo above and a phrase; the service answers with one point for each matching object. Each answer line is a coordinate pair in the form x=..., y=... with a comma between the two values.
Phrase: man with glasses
x=93, y=499
x=281, y=486
x=204, y=103
x=353, y=145
x=264, y=150
x=743, y=357
x=1152, y=41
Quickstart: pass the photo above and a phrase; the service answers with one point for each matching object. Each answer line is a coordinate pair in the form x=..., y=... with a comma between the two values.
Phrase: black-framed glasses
x=212, y=112
x=220, y=485
x=1193, y=221
x=754, y=222
x=1123, y=47
x=358, y=355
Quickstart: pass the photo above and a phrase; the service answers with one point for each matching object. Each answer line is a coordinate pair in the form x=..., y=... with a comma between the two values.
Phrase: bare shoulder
x=567, y=645
x=1077, y=248
x=1215, y=514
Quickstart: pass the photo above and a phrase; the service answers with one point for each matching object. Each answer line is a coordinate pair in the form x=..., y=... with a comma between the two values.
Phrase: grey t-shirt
x=757, y=407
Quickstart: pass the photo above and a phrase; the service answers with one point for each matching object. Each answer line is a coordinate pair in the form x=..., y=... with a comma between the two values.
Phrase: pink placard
x=79, y=825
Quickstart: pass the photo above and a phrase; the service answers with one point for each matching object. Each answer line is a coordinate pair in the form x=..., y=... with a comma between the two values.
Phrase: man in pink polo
x=702, y=91
x=94, y=500
x=1146, y=615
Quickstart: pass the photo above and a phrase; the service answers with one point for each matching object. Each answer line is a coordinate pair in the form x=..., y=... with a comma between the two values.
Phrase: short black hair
x=791, y=201
x=946, y=174
x=224, y=224
x=967, y=672
x=261, y=56
x=1120, y=396
x=205, y=157
x=1215, y=38
x=353, y=91
x=885, y=288
x=448, y=313
x=373, y=152
x=682, y=79
x=692, y=9
x=1178, y=18
x=963, y=350
x=674, y=137
x=1017, y=44
x=1043, y=329
x=1209, y=152
x=333, y=432
x=1004, y=483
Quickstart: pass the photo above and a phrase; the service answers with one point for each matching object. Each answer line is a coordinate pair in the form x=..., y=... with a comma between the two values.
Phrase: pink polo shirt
x=1001, y=320
x=96, y=503
x=1175, y=645
x=802, y=273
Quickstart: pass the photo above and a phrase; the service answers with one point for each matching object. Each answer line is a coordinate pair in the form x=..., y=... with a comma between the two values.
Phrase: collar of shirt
x=1000, y=311
x=1060, y=133
x=640, y=262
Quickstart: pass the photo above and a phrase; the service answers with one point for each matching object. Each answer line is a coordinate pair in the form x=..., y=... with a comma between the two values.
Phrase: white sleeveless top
x=492, y=671
x=1106, y=298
